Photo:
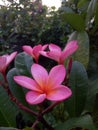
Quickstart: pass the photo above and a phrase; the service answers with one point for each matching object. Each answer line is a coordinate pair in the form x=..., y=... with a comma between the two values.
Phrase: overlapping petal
x=52, y=55
x=59, y=93
x=53, y=47
x=10, y=57
x=44, y=47
x=70, y=48
x=56, y=54
x=44, y=53
x=27, y=83
x=35, y=51
x=27, y=49
x=33, y=97
x=40, y=74
x=56, y=75
x=5, y=61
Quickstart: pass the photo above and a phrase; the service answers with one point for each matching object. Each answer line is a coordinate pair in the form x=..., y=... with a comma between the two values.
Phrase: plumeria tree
x=33, y=94
x=40, y=96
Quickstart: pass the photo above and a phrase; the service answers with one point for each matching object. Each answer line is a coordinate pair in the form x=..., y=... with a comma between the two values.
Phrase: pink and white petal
x=53, y=47
x=27, y=83
x=40, y=74
x=71, y=44
x=56, y=75
x=60, y=93
x=37, y=48
x=28, y=49
x=44, y=53
x=44, y=47
x=70, y=48
x=54, y=55
x=34, y=97
x=10, y=57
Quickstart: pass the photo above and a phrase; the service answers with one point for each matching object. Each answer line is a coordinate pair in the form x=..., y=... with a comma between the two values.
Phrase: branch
x=19, y=104
x=50, y=107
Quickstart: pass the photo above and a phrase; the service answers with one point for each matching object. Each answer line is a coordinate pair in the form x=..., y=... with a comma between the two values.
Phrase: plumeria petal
x=27, y=83
x=10, y=57
x=60, y=93
x=54, y=55
x=56, y=75
x=71, y=45
x=5, y=61
x=28, y=50
x=44, y=47
x=44, y=53
x=40, y=74
x=36, y=50
x=53, y=47
x=70, y=48
x=34, y=97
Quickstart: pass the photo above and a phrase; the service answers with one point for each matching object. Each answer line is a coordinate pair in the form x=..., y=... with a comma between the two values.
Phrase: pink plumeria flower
x=44, y=86
x=34, y=52
x=57, y=54
x=5, y=60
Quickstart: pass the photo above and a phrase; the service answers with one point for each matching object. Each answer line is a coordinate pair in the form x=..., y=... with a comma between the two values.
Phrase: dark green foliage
x=19, y=26
x=78, y=83
x=8, y=110
x=77, y=122
x=75, y=20
x=7, y=128
x=23, y=63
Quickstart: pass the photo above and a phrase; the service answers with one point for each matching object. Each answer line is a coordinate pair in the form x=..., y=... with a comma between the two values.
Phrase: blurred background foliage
x=30, y=23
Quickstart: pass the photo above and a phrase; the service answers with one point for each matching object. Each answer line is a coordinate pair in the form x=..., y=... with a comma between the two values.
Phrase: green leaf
x=91, y=97
x=96, y=17
x=82, y=3
x=23, y=63
x=90, y=11
x=75, y=20
x=18, y=91
x=82, y=54
x=8, y=128
x=82, y=122
x=7, y=110
x=28, y=128
x=67, y=9
x=78, y=83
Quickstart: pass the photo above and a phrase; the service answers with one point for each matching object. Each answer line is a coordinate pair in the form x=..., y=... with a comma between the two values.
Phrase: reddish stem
x=50, y=108
x=35, y=124
x=19, y=104
x=66, y=81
